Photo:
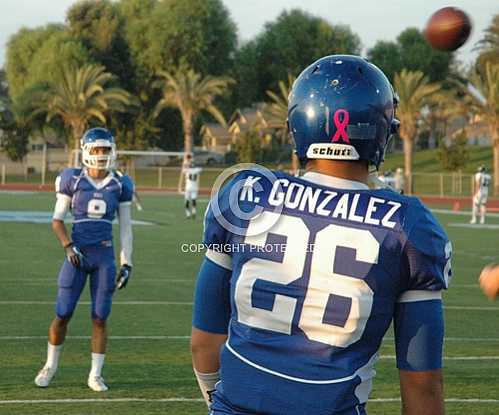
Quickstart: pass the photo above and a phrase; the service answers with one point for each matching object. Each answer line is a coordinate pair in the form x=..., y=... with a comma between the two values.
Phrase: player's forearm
x=60, y=232
x=205, y=348
x=126, y=234
x=422, y=393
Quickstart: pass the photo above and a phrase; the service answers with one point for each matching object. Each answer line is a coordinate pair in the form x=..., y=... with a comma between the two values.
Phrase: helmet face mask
x=93, y=140
x=342, y=108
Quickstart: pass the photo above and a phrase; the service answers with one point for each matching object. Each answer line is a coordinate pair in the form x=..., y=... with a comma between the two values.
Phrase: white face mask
x=99, y=161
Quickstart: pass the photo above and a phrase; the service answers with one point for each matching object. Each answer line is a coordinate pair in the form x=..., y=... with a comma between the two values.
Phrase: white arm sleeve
x=62, y=206
x=126, y=236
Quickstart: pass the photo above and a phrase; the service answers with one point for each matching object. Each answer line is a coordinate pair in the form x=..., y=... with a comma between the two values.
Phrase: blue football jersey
x=93, y=205
x=316, y=275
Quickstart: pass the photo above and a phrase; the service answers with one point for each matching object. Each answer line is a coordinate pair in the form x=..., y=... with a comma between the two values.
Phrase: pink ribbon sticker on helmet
x=341, y=126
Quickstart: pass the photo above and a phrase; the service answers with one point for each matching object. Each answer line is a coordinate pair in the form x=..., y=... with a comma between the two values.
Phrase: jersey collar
x=99, y=184
x=331, y=181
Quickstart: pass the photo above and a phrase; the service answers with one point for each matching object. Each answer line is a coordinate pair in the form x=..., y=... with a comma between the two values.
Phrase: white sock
x=53, y=353
x=473, y=213
x=482, y=214
x=97, y=363
x=193, y=211
x=187, y=213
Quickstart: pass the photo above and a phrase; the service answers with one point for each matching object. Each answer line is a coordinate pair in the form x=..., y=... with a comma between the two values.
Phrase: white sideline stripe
x=460, y=358
x=462, y=213
x=89, y=302
x=448, y=339
x=104, y=400
x=476, y=226
x=463, y=286
x=167, y=400
x=54, y=281
x=479, y=308
x=461, y=339
x=448, y=400
x=110, y=337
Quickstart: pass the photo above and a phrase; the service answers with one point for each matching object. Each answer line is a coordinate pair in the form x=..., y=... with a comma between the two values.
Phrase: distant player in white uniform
x=482, y=183
x=399, y=180
x=192, y=175
x=388, y=179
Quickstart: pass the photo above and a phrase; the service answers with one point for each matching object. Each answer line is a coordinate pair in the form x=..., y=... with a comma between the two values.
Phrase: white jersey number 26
x=323, y=282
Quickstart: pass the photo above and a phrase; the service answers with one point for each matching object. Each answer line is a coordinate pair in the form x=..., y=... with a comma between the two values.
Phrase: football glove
x=123, y=276
x=74, y=255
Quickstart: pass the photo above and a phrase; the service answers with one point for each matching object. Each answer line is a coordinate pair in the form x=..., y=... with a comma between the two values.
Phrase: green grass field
x=148, y=358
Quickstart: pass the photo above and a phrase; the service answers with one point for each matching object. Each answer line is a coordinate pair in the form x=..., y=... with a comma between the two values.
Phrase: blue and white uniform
x=306, y=302
x=94, y=205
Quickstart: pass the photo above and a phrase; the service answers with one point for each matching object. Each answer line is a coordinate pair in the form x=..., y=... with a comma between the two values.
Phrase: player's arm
x=126, y=233
x=418, y=317
x=422, y=392
x=210, y=319
x=419, y=333
x=61, y=209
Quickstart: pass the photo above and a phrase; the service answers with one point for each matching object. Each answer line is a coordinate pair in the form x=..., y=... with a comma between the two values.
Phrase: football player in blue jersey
x=94, y=194
x=304, y=275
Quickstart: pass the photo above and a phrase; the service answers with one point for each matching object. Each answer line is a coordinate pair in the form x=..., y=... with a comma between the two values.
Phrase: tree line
x=156, y=71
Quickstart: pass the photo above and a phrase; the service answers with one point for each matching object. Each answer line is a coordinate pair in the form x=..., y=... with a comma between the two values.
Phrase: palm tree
x=277, y=111
x=190, y=93
x=414, y=90
x=81, y=96
x=485, y=104
x=489, y=45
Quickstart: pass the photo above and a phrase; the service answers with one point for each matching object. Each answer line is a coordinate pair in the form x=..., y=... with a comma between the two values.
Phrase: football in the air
x=489, y=281
x=448, y=29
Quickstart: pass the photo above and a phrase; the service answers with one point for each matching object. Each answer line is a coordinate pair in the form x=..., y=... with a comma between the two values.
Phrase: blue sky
x=372, y=20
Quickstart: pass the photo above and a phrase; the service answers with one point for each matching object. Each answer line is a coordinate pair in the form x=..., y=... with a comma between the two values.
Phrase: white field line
x=20, y=302
x=173, y=400
x=110, y=337
x=386, y=339
x=53, y=282
x=190, y=303
x=462, y=213
x=460, y=358
x=54, y=279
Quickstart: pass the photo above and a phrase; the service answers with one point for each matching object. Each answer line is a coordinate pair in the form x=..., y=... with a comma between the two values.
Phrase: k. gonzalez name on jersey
x=297, y=196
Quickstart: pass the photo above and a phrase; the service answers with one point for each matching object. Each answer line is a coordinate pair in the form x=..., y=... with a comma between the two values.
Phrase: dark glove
x=123, y=276
x=74, y=255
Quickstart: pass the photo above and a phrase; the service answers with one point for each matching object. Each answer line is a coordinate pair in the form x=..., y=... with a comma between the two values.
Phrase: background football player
x=192, y=175
x=94, y=194
x=482, y=183
x=305, y=324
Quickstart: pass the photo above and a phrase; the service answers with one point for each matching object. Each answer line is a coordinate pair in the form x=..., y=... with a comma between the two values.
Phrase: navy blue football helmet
x=98, y=137
x=342, y=107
